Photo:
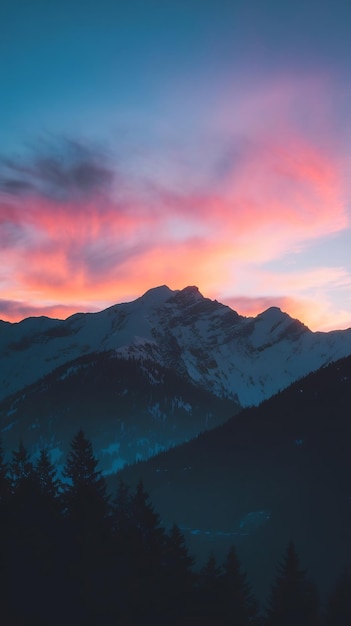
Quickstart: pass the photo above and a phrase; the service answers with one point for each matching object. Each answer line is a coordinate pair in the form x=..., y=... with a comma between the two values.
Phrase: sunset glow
x=237, y=181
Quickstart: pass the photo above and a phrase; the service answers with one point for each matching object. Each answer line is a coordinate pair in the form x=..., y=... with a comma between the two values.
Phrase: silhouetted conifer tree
x=294, y=599
x=5, y=487
x=178, y=562
x=147, y=548
x=21, y=468
x=5, y=548
x=119, y=561
x=239, y=605
x=179, y=578
x=85, y=492
x=86, y=510
x=210, y=575
x=122, y=512
x=46, y=475
x=31, y=543
x=208, y=601
x=338, y=610
x=24, y=487
x=148, y=533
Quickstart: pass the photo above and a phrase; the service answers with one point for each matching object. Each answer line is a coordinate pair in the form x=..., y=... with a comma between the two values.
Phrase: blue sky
x=175, y=142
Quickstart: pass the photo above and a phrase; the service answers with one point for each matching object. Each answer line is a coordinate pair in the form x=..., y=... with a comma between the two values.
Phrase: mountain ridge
x=246, y=359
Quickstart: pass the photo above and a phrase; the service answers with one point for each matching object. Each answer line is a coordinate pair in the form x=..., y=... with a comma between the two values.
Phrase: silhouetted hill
x=277, y=471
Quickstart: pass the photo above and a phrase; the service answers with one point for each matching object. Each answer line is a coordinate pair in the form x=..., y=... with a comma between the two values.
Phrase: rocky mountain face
x=246, y=359
x=143, y=376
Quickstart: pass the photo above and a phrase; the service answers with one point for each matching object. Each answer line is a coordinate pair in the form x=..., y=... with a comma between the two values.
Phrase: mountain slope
x=131, y=409
x=274, y=472
x=245, y=359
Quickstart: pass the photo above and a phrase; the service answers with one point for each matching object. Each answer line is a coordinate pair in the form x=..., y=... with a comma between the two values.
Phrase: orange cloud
x=323, y=317
x=272, y=189
x=312, y=295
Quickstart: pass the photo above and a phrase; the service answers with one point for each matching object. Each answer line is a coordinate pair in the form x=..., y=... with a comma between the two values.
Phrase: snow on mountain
x=130, y=408
x=242, y=358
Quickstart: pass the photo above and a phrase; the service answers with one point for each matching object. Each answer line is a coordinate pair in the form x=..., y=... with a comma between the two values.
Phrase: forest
x=72, y=554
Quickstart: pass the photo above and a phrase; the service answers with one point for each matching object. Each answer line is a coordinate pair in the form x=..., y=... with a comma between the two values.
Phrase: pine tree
x=5, y=529
x=209, y=574
x=149, y=535
x=86, y=510
x=120, y=563
x=85, y=492
x=208, y=601
x=31, y=543
x=146, y=551
x=143, y=510
x=5, y=487
x=21, y=468
x=121, y=515
x=46, y=476
x=179, y=578
x=294, y=599
x=24, y=487
x=338, y=611
x=238, y=602
x=178, y=561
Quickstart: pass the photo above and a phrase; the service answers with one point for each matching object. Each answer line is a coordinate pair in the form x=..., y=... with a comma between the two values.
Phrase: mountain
x=273, y=473
x=243, y=359
x=130, y=408
x=146, y=375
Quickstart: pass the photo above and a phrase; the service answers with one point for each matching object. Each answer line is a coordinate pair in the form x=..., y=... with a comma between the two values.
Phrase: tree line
x=73, y=555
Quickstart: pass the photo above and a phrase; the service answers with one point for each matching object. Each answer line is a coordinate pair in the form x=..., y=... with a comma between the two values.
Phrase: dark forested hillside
x=73, y=554
x=272, y=476
x=273, y=473
x=256, y=501
x=130, y=408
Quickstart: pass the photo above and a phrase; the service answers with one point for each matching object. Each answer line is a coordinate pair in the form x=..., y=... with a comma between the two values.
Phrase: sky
x=178, y=142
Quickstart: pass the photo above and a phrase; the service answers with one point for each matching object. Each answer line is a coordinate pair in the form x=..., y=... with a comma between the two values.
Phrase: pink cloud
x=312, y=295
x=275, y=187
x=323, y=317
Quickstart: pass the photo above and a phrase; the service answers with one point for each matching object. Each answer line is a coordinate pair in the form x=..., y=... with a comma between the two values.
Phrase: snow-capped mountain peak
x=273, y=325
x=156, y=296
x=203, y=340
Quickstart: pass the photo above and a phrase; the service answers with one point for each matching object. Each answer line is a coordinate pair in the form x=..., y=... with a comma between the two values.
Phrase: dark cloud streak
x=65, y=171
